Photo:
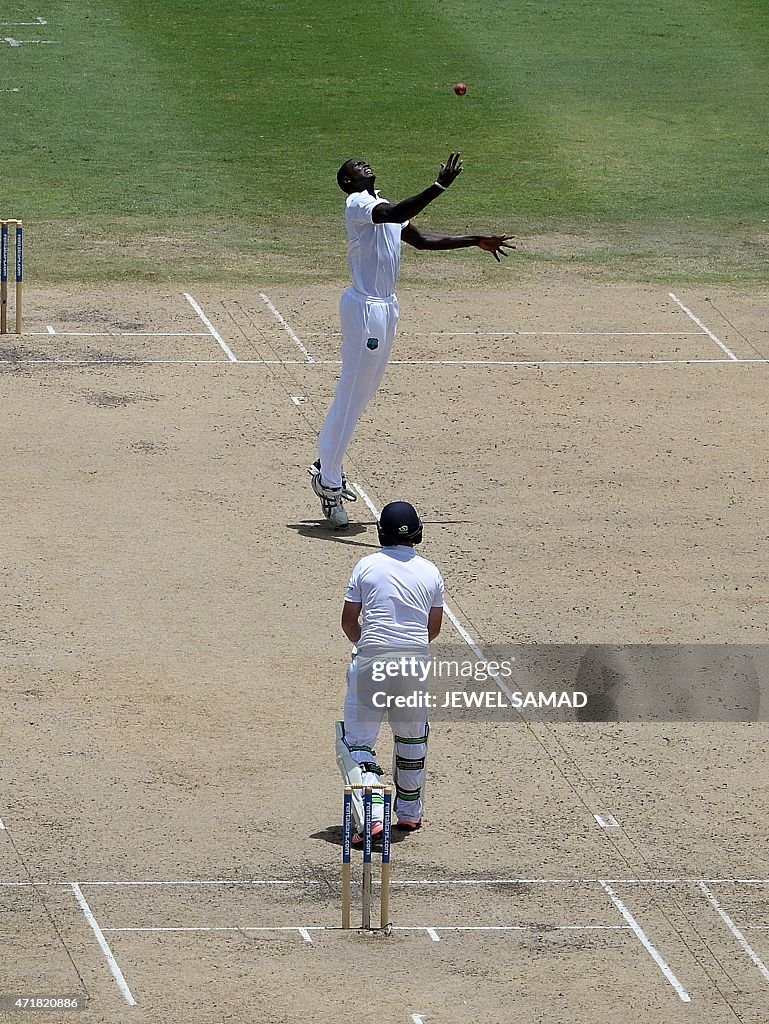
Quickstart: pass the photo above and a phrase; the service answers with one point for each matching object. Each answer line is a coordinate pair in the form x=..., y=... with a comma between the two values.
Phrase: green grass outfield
x=186, y=141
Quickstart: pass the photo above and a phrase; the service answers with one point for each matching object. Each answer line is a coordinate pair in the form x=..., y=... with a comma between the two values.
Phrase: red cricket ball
x=460, y=88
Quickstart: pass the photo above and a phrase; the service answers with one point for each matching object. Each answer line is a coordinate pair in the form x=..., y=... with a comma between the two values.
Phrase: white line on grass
x=707, y=330
x=746, y=947
x=286, y=327
x=114, y=967
x=643, y=938
x=211, y=329
x=27, y=42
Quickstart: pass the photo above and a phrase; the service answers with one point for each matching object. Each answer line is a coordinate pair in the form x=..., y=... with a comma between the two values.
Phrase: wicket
x=19, y=239
x=384, y=898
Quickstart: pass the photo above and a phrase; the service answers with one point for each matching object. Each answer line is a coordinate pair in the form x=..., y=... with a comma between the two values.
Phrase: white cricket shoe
x=331, y=500
x=347, y=494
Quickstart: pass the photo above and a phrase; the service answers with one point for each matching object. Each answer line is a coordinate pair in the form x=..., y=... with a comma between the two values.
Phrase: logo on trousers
x=372, y=343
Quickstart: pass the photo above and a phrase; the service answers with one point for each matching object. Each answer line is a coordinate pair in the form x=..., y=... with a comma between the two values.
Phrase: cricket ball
x=460, y=88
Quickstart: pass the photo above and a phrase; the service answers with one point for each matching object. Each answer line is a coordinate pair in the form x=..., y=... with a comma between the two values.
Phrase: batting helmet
x=399, y=522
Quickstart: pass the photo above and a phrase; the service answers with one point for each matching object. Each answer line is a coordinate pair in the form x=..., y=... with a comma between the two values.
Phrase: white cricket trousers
x=368, y=333
x=410, y=728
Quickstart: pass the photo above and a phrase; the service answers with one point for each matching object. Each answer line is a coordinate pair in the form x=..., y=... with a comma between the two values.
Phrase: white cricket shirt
x=373, y=250
x=397, y=588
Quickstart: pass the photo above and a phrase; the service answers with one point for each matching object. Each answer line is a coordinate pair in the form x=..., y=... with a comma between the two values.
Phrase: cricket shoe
x=347, y=494
x=332, y=498
x=377, y=828
x=408, y=826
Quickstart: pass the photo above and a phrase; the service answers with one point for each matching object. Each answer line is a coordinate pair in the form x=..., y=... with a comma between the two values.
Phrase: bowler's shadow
x=318, y=529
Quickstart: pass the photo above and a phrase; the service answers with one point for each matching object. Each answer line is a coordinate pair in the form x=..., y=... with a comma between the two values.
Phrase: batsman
x=392, y=611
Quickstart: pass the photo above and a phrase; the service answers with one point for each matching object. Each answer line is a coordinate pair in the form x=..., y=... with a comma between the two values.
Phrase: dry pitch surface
x=589, y=459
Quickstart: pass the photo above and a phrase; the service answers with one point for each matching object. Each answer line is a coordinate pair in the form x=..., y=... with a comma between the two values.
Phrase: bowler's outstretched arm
x=495, y=244
x=397, y=213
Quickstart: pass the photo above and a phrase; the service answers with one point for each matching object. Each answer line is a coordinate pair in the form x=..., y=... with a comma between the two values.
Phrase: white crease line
x=111, y=362
x=303, y=930
x=286, y=327
x=399, y=881
x=37, y=21
x=515, y=362
x=550, y=334
x=525, y=334
x=493, y=881
x=114, y=967
x=608, y=821
x=560, y=362
x=370, y=504
x=214, y=881
x=707, y=330
x=119, y=334
x=338, y=362
x=417, y=1018
x=432, y=930
x=576, y=881
x=643, y=938
x=212, y=330
x=746, y=947
x=2, y=825
x=515, y=928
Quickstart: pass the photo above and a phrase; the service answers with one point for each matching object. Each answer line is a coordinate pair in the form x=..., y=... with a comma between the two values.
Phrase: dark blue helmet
x=399, y=522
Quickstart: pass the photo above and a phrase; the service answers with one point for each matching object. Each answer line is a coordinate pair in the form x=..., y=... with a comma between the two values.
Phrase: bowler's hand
x=496, y=245
x=450, y=171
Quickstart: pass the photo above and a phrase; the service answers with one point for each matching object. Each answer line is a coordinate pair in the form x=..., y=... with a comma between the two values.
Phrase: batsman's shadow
x=333, y=835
